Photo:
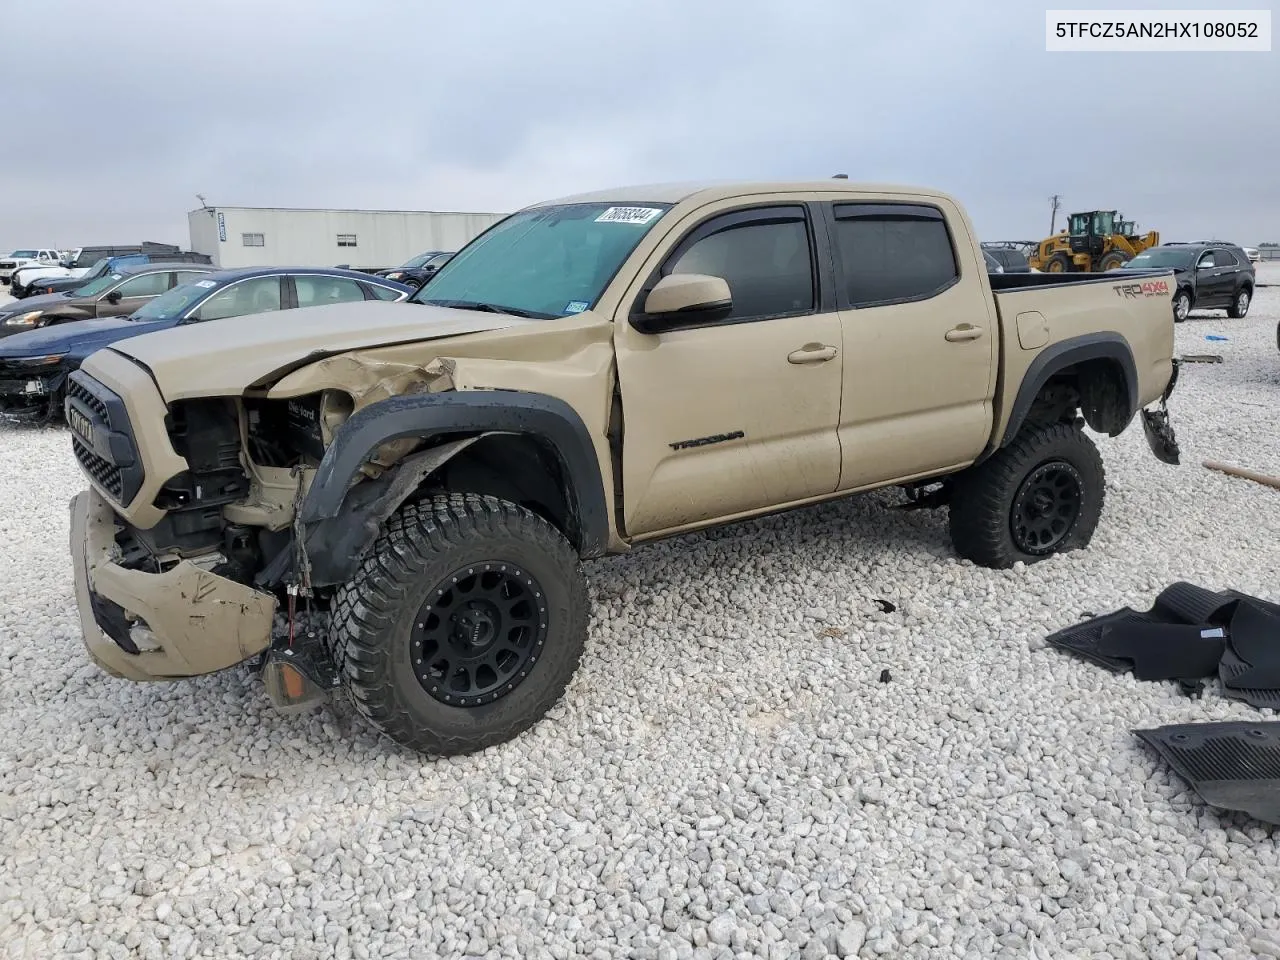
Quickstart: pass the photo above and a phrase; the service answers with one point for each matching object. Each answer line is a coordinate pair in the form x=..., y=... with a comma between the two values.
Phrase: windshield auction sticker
x=628, y=215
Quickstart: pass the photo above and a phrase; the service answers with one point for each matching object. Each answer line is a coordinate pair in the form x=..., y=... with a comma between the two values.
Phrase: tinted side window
x=766, y=262
x=1206, y=260
x=316, y=290
x=893, y=252
x=258, y=295
x=147, y=285
x=1224, y=258
x=384, y=293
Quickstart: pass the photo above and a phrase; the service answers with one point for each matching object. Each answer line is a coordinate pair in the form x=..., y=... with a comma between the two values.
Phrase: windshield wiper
x=489, y=308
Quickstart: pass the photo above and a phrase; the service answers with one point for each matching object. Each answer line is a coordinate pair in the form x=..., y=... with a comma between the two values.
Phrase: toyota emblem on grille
x=81, y=424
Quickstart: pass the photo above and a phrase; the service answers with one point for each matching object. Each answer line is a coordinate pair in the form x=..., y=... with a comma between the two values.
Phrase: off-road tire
x=374, y=614
x=1240, y=301
x=1059, y=263
x=983, y=500
x=1180, y=313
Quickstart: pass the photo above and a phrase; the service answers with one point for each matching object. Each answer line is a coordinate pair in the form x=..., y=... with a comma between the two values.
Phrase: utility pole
x=1054, y=203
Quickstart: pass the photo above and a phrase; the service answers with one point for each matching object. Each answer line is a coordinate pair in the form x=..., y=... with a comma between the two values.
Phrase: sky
x=131, y=110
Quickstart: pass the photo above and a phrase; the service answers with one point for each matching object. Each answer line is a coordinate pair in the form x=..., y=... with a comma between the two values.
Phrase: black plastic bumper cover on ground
x=1120, y=641
x=1233, y=766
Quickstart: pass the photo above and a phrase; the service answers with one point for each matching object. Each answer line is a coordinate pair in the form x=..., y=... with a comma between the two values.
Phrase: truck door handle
x=812, y=353
x=965, y=331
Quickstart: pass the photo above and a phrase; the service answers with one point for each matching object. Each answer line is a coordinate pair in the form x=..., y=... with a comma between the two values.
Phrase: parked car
x=78, y=262
x=101, y=268
x=433, y=472
x=34, y=364
x=1011, y=260
x=117, y=294
x=418, y=270
x=1254, y=255
x=20, y=258
x=1208, y=275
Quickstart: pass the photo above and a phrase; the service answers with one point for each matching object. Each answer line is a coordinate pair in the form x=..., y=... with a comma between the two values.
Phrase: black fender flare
x=341, y=521
x=1105, y=345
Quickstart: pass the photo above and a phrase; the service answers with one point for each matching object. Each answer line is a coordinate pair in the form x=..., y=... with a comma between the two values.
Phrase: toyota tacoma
x=397, y=498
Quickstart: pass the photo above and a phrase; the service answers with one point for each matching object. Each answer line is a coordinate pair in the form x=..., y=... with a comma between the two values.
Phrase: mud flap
x=1233, y=766
x=1155, y=424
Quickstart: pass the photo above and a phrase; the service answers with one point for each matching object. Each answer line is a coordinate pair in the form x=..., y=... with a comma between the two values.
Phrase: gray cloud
x=493, y=105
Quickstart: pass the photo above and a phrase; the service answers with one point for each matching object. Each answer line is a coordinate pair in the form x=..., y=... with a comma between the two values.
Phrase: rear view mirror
x=684, y=299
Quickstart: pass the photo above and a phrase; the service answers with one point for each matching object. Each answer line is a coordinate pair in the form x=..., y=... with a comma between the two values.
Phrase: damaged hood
x=224, y=357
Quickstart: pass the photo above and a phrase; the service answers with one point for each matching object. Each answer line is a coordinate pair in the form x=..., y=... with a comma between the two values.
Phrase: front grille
x=107, y=453
x=107, y=475
x=7, y=264
x=77, y=391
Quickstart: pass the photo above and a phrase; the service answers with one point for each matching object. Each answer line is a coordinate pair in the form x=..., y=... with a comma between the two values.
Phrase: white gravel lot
x=726, y=777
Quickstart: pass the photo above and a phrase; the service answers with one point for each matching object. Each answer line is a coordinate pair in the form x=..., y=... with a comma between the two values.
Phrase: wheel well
x=522, y=469
x=1097, y=388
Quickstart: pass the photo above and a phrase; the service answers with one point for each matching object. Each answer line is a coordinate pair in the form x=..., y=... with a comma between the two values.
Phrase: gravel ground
x=727, y=776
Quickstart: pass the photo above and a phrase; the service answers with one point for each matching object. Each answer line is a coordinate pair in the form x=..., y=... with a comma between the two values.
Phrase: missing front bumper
x=195, y=622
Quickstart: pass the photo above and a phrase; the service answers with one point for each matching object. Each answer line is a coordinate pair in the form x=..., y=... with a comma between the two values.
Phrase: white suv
x=22, y=258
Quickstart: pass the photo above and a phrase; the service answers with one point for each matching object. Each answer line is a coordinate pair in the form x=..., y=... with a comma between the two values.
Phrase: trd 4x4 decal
x=1149, y=288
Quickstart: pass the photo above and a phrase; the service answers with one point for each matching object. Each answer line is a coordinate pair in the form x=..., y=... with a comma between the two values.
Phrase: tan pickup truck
x=396, y=497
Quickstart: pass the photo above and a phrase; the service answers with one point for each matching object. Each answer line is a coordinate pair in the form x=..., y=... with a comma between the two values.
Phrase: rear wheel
x=1039, y=496
x=1116, y=258
x=1058, y=263
x=463, y=626
x=1181, y=306
x=1240, y=304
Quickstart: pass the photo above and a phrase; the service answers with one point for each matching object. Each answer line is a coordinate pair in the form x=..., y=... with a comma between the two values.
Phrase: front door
x=131, y=293
x=920, y=337
x=740, y=414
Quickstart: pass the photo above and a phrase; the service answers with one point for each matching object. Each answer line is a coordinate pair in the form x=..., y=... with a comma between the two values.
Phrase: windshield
x=546, y=262
x=173, y=303
x=96, y=286
x=23, y=254
x=1159, y=257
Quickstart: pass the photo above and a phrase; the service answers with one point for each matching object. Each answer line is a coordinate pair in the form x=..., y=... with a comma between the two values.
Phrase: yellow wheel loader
x=1093, y=242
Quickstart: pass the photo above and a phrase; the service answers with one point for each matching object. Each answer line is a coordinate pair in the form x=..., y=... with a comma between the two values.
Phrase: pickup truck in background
x=21, y=258
x=412, y=487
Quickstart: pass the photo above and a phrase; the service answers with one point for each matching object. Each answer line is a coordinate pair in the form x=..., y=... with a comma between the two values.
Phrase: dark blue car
x=34, y=365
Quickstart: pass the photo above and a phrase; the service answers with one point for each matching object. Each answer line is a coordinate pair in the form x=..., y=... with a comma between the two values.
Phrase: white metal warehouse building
x=277, y=236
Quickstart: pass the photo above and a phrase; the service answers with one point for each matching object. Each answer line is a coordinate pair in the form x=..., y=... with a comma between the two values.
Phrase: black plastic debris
x=884, y=676
x=1164, y=651
x=1255, y=639
x=1185, y=636
x=884, y=605
x=1230, y=672
x=1233, y=766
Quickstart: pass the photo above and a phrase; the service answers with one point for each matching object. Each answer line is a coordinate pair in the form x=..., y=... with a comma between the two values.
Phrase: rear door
x=920, y=337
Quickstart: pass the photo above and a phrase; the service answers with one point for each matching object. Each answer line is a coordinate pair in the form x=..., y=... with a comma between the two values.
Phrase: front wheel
x=1239, y=304
x=1112, y=261
x=1181, y=306
x=1039, y=496
x=463, y=626
x=1059, y=263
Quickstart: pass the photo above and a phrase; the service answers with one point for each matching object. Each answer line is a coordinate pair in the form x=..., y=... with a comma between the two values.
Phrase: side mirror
x=682, y=300
x=1204, y=266
x=113, y=297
